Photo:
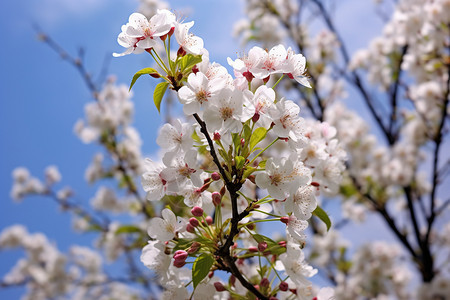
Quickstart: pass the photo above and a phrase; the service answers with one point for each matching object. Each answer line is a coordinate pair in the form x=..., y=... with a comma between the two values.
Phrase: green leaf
x=239, y=161
x=128, y=229
x=258, y=135
x=140, y=73
x=201, y=267
x=158, y=94
x=262, y=238
x=248, y=171
x=322, y=215
x=188, y=61
x=262, y=164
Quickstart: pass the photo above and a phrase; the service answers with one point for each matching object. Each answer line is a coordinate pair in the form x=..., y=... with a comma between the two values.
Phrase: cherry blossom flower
x=175, y=137
x=139, y=33
x=198, y=91
x=283, y=177
x=189, y=42
x=295, y=67
x=285, y=117
x=153, y=181
x=295, y=265
x=225, y=111
x=302, y=203
x=164, y=229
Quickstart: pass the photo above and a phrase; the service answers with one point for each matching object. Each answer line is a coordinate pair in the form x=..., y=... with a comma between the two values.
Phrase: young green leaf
x=158, y=94
x=239, y=161
x=322, y=215
x=201, y=267
x=258, y=135
x=140, y=73
x=188, y=61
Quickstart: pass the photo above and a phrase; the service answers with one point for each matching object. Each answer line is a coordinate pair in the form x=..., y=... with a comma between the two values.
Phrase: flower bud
x=209, y=220
x=211, y=274
x=195, y=69
x=282, y=243
x=190, y=228
x=215, y=176
x=316, y=184
x=179, y=254
x=283, y=286
x=194, y=247
x=181, y=52
x=264, y=282
x=219, y=286
x=252, y=249
x=197, y=211
x=179, y=263
x=216, y=198
x=222, y=190
x=155, y=75
x=262, y=246
x=242, y=143
x=194, y=222
x=216, y=136
x=265, y=80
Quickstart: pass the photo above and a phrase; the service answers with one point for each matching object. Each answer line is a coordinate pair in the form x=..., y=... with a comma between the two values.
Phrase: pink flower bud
x=179, y=263
x=252, y=249
x=216, y=136
x=219, y=286
x=194, y=222
x=215, y=176
x=180, y=255
x=264, y=282
x=209, y=220
x=216, y=198
x=283, y=286
x=211, y=274
x=282, y=243
x=262, y=246
x=190, y=228
x=194, y=247
x=197, y=211
x=242, y=143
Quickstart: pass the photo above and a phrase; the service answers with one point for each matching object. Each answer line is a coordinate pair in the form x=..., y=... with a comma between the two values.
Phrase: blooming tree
x=241, y=156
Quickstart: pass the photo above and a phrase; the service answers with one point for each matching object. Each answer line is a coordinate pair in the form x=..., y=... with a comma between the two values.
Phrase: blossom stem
x=262, y=151
x=159, y=61
x=258, y=221
x=278, y=81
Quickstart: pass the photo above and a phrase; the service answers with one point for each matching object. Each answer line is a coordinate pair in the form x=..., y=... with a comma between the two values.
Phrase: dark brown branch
x=233, y=186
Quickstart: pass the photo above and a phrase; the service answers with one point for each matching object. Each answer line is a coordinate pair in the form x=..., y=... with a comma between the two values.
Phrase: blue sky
x=41, y=96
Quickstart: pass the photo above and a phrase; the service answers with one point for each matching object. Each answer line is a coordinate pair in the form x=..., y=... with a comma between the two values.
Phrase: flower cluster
x=52, y=274
x=246, y=141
